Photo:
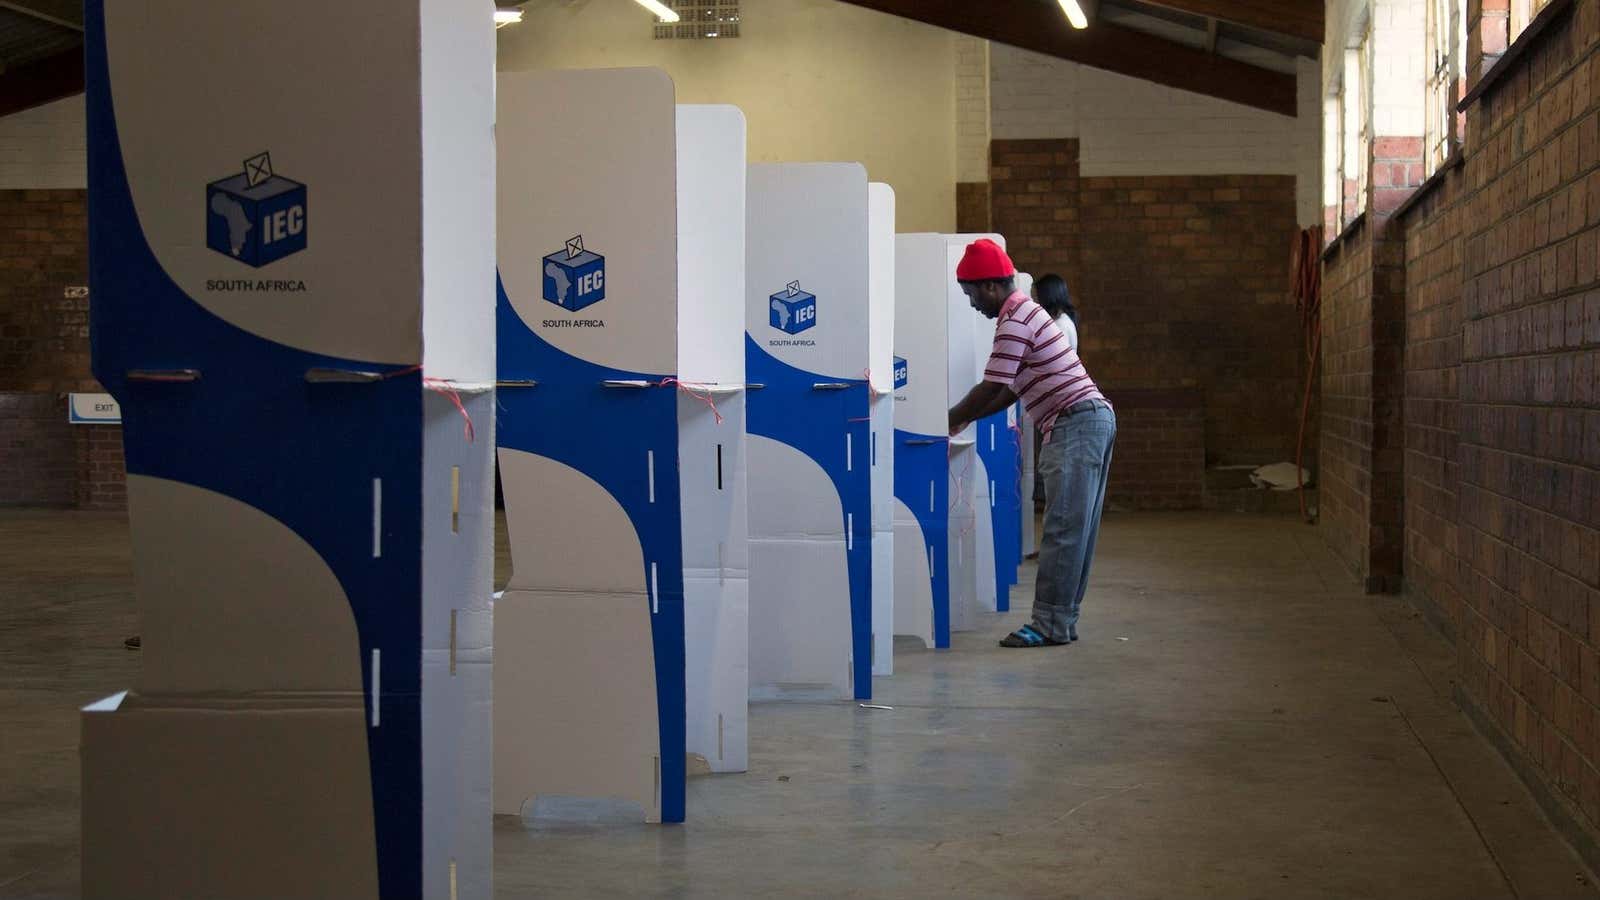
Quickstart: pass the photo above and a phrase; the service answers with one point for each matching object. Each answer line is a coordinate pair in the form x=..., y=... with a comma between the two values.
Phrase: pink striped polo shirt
x=1032, y=357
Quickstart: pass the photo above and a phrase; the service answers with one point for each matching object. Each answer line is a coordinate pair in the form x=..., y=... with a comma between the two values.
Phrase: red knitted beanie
x=984, y=261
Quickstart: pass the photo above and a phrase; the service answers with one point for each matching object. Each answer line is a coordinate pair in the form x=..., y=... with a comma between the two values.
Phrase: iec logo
x=793, y=310
x=900, y=377
x=576, y=277
x=256, y=217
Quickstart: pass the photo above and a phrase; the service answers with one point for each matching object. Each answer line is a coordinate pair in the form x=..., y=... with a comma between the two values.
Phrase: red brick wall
x=38, y=465
x=972, y=207
x=1180, y=282
x=1434, y=260
x=1159, y=459
x=44, y=353
x=1528, y=448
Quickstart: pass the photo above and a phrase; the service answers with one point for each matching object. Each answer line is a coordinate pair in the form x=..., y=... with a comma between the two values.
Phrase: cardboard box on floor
x=808, y=343
x=921, y=440
x=311, y=524
x=880, y=325
x=589, y=633
x=711, y=436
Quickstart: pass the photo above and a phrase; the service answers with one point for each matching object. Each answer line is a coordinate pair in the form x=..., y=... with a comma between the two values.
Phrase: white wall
x=818, y=80
x=972, y=108
x=44, y=147
x=1127, y=126
x=1399, y=52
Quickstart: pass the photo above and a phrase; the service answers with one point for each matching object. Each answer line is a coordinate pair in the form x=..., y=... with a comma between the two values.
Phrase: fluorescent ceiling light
x=662, y=11
x=507, y=17
x=1074, y=13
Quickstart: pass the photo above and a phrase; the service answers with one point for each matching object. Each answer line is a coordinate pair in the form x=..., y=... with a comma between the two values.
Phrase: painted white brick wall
x=44, y=147
x=1127, y=126
x=1399, y=51
x=972, y=109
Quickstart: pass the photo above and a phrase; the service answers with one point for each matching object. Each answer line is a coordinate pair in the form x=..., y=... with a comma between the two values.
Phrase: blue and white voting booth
x=1028, y=540
x=711, y=433
x=972, y=579
x=589, y=633
x=998, y=484
x=810, y=455
x=921, y=440
x=880, y=316
x=292, y=270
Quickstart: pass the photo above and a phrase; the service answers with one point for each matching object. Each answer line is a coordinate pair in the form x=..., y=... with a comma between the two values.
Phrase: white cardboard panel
x=921, y=327
x=807, y=222
x=360, y=165
x=714, y=484
x=581, y=726
x=717, y=669
x=711, y=228
x=163, y=787
x=913, y=584
x=598, y=550
x=983, y=536
x=587, y=143
x=883, y=572
x=232, y=600
x=458, y=170
x=881, y=268
x=963, y=537
x=799, y=585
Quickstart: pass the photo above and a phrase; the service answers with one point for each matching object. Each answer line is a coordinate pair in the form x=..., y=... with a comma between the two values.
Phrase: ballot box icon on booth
x=793, y=310
x=902, y=375
x=574, y=277
x=256, y=216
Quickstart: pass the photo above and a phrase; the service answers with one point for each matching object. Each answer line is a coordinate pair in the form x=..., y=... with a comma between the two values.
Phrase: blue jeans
x=1075, y=462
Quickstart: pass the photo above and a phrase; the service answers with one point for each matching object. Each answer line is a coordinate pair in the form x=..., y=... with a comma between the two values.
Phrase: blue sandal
x=1028, y=636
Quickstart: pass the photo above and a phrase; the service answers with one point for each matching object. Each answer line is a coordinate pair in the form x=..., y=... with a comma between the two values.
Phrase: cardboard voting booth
x=711, y=424
x=589, y=633
x=292, y=269
x=921, y=440
x=999, y=483
x=880, y=299
x=1028, y=540
x=972, y=582
x=810, y=444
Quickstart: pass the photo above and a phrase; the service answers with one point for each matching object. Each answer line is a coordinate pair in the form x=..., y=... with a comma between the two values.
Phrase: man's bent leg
x=1070, y=479
x=1102, y=427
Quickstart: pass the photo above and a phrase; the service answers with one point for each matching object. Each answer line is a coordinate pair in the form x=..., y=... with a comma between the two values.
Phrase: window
x=1446, y=62
x=700, y=19
x=1354, y=128
x=1523, y=12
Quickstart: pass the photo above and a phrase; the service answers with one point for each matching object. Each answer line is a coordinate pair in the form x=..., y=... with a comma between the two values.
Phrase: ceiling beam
x=41, y=81
x=66, y=13
x=1296, y=18
x=1211, y=35
x=1043, y=29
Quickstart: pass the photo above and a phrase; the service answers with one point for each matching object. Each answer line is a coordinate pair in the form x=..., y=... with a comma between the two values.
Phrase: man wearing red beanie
x=1032, y=360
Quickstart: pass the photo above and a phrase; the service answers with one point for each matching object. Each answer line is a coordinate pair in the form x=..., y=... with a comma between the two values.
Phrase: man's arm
x=985, y=399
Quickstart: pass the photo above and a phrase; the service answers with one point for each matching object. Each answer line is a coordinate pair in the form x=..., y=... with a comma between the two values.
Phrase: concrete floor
x=1263, y=731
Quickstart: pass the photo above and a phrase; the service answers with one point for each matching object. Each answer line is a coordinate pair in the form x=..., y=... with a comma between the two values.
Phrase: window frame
x=1444, y=82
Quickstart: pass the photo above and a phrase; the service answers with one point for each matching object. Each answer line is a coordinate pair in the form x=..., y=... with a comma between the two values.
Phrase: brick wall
x=44, y=354
x=972, y=207
x=1159, y=460
x=1432, y=409
x=1181, y=283
x=40, y=463
x=1528, y=449
x=44, y=147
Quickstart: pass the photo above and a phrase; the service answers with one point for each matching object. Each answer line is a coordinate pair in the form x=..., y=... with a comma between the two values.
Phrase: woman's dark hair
x=1055, y=298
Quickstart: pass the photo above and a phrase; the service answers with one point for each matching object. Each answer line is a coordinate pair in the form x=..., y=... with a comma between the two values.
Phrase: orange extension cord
x=1305, y=262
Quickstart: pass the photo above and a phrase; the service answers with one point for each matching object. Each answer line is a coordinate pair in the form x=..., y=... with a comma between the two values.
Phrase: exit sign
x=93, y=409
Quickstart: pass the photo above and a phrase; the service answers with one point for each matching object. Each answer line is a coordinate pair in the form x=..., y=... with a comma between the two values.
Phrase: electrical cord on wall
x=1306, y=272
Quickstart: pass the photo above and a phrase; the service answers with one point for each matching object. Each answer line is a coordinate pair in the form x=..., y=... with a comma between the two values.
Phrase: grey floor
x=1238, y=721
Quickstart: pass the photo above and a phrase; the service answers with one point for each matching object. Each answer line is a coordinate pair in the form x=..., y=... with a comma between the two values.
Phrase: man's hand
x=985, y=399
